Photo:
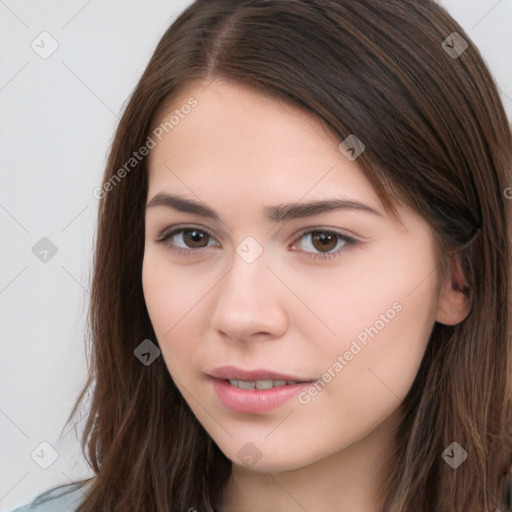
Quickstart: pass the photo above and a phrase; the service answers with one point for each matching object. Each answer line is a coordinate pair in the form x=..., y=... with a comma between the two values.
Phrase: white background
x=57, y=118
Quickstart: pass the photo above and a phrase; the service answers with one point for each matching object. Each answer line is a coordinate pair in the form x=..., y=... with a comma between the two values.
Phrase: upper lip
x=233, y=373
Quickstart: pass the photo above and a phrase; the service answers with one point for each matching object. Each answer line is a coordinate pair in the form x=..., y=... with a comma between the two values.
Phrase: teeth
x=260, y=384
x=264, y=384
x=246, y=384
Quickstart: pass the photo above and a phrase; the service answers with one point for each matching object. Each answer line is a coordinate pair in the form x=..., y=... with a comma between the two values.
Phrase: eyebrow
x=277, y=213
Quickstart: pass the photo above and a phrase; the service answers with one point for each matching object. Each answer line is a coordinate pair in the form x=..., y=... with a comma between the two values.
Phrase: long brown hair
x=437, y=139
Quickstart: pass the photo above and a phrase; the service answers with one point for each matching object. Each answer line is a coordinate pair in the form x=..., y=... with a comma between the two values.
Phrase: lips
x=254, y=391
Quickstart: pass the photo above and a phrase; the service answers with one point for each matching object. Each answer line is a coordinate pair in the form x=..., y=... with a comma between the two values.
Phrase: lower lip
x=254, y=400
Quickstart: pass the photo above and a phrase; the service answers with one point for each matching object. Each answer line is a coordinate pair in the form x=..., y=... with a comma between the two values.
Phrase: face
x=342, y=299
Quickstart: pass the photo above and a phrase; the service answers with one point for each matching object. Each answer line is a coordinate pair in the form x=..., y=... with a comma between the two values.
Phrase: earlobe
x=455, y=298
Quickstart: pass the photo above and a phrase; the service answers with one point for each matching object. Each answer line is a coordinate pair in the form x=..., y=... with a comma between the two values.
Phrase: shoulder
x=64, y=498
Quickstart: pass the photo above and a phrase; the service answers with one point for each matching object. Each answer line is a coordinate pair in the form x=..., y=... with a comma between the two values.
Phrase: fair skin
x=237, y=152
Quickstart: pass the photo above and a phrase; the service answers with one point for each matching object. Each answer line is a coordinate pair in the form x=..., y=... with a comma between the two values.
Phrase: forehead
x=235, y=136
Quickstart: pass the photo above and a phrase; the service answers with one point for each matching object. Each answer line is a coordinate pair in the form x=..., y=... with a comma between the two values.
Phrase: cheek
x=382, y=332
x=384, y=297
x=170, y=290
x=160, y=295
x=359, y=392
x=172, y=297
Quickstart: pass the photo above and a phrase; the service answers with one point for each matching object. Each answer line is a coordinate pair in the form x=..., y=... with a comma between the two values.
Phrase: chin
x=269, y=458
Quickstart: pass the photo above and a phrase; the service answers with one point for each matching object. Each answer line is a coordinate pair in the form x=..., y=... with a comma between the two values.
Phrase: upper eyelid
x=179, y=228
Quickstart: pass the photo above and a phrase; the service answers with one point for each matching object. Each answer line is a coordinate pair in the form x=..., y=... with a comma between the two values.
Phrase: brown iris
x=192, y=237
x=327, y=241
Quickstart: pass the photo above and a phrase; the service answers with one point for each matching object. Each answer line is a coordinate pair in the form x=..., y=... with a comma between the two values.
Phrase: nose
x=250, y=303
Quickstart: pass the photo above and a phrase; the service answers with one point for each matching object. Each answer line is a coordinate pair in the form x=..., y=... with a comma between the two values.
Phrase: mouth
x=254, y=391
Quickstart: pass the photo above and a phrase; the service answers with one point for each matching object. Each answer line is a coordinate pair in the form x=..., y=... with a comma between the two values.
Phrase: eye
x=190, y=239
x=325, y=241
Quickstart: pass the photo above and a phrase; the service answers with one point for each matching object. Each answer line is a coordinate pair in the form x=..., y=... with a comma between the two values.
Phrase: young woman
x=302, y=286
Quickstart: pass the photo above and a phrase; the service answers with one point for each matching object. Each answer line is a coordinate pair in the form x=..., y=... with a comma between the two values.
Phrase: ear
x=455, y=299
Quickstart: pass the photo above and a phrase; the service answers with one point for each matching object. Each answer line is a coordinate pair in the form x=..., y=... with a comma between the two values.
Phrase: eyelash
x=167, y=234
